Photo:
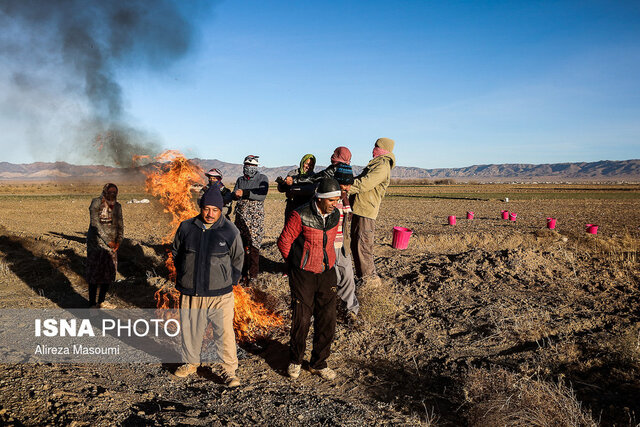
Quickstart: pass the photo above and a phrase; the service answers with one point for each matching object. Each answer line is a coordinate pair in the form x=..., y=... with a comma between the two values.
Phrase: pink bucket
x=512, y=216
x=505, y=214
x=551, y=223
x=452, y=220
x=470, y=215
x=401, y=237
x=592, y=229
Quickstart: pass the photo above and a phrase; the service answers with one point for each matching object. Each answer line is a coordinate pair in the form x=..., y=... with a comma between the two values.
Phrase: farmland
x=484, y=323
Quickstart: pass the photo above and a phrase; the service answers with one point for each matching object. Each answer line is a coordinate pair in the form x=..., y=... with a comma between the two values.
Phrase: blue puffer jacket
x=208, y=261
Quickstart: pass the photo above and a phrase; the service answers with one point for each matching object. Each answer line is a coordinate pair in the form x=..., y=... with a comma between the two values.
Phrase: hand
x=289, y=181
x=238, y=193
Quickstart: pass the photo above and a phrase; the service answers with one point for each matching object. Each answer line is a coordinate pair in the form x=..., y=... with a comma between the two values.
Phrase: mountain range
x=605, y=170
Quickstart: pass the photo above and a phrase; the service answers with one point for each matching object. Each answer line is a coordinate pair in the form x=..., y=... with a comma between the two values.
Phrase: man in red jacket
x=306, y=244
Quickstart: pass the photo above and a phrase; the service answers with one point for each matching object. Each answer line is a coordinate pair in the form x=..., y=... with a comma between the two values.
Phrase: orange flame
x=171, y=182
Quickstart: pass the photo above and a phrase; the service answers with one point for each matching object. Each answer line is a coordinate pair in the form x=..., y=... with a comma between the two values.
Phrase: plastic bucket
x=592, y=229
x=505, y=214
x=452, y=220
x=512, y=216
x=470, y=215
x=401, y=237
x=551, y=223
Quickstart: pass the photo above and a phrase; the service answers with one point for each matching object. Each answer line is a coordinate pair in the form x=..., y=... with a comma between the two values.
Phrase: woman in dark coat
x=106, y=230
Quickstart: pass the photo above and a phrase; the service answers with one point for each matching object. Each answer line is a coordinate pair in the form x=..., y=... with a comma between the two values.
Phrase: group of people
x=211, y=253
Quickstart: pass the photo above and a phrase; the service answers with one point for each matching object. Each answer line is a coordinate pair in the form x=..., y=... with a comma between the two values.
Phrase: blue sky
x=454, y=83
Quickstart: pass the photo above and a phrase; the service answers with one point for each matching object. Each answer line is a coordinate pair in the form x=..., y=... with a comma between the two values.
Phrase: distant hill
x=606, y=170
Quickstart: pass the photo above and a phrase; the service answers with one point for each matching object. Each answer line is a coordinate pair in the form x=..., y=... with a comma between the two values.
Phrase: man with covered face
x=250, y=191
x=367, y=192
x=208, y=256
x=106, y=230
x=307, y=245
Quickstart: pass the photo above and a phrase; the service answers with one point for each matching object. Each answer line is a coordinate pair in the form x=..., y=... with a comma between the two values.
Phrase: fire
x=171, y=182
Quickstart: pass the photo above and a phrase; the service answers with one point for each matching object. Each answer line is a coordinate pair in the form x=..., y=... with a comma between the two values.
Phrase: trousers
x=312, y=294
x=195, y=314
x=362, y=237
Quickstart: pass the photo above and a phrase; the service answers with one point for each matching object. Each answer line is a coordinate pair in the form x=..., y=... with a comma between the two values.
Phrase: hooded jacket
x=306, y=242
x=370, y=186
x=208, y=261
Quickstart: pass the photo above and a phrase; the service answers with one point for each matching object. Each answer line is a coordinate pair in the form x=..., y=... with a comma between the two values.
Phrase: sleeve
x=94, y=222
x=259, y=193
x=315, y=178
x=119, y=224
x=374, y=177
x=227, y=196
x=235, y=187
x=177, y=243
x=290, y=232
x=236, y=252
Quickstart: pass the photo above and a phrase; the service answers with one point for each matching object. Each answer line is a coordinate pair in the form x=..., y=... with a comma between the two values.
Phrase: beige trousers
x=195, y=314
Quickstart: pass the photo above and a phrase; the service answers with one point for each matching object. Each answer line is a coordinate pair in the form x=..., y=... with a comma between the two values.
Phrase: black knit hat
x=328, y=188
x=212, y=197
x=344, y=174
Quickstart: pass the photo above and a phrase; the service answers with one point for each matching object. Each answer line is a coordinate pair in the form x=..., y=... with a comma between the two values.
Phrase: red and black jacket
x=306, y=242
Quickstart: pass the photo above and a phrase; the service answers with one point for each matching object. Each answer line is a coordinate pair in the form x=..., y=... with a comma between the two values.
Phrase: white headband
x=329, y=195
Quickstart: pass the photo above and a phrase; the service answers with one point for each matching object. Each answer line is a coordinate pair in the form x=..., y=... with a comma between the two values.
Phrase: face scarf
x=250, y=170
x=377, y=152
x=107, y=203
x=341, y=155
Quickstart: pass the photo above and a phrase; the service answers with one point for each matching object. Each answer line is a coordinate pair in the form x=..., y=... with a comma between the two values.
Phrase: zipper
x=199, y=270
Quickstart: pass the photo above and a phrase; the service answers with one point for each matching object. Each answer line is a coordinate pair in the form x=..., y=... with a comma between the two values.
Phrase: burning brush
x=171, y=183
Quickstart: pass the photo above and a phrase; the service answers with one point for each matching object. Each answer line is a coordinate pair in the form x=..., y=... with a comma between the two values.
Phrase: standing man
x=369, y=188
x=298, y=194
x=106, y=231
x=344, y=270
x=250, y=191
x=307, y=245
x=215, y=178
x=208, y=256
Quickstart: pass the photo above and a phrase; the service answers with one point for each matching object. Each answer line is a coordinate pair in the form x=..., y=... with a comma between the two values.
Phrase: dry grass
x=378, y=302
x=500, y=398
x=460, y=242
x=521, y=322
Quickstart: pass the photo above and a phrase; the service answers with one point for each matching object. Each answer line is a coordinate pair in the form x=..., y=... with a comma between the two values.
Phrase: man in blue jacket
x=208, y=256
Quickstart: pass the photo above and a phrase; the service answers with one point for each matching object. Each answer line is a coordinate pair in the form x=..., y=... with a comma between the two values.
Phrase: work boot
x=293, y=370
x=327, y=373
x=185, y=370
x=230, y=380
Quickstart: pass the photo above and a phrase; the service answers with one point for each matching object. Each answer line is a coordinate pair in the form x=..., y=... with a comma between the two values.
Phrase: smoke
x=60, y=64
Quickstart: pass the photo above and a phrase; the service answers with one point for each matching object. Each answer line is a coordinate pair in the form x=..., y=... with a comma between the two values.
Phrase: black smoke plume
x=61, y=60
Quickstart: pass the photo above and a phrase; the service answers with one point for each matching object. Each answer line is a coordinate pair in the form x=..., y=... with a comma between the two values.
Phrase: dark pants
x=251, y=266
x=315, y=294
x=362, y=236
x=93, y=288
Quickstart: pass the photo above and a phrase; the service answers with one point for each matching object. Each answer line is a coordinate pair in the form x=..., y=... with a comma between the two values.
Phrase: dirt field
x=488, y=322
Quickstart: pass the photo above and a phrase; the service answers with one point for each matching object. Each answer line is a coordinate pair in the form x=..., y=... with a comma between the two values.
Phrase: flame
x=171, y=182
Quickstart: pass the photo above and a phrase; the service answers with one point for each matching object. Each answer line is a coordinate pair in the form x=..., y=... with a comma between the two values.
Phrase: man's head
x=214, y=175
x=341, y=155
x=110, y=192
x=344, y=176
x=211, y=205
x=250, y=167
x=307, y=164
x=328, y=194
x=386, y=144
